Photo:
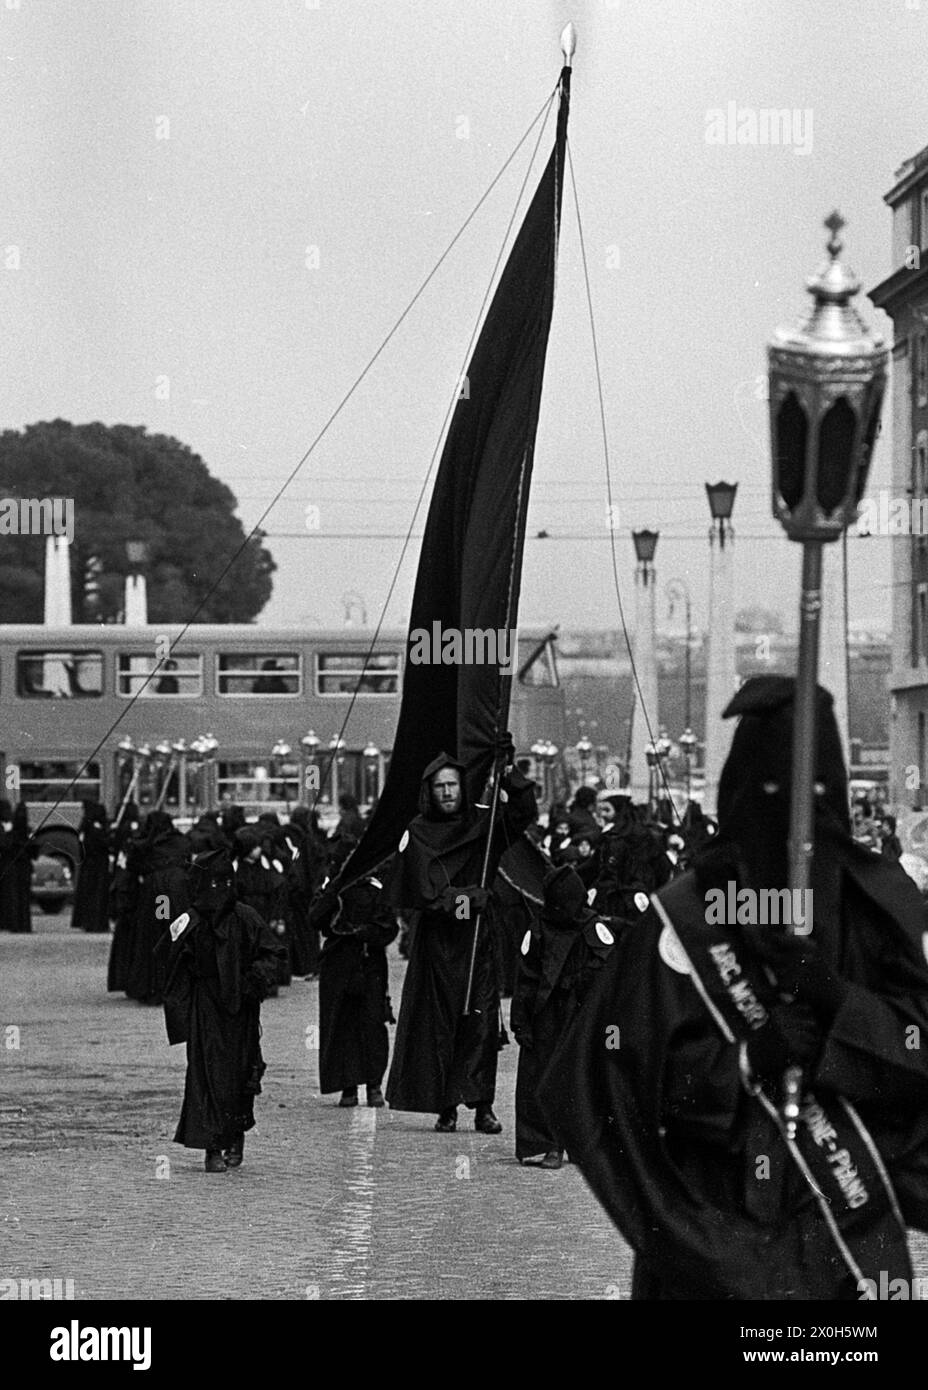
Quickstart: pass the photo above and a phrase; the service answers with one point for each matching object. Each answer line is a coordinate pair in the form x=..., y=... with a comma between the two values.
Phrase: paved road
x=330, y=1204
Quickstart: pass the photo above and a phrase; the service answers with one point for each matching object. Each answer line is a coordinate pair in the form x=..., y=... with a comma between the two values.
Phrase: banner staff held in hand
x=826, y=383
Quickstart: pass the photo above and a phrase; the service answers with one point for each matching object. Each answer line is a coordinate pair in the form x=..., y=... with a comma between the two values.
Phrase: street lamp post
x=677, y=590
x=337, y=758
x=279, y=753
x=650, y=753
x=687, y=742
x=721, y=674
x=645, y=714
x=584, y=749
x=309, y=748
x=826, y=383
x=371, y=756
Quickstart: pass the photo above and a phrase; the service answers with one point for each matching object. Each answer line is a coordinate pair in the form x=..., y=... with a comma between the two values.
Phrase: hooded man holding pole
x=668, y=1092
x=448, y=1033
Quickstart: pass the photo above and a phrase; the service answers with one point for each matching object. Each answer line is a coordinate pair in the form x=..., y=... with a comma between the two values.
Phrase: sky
x=221, y=209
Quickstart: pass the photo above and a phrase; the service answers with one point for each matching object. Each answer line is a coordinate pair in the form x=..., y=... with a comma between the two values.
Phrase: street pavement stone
x=329, y=1204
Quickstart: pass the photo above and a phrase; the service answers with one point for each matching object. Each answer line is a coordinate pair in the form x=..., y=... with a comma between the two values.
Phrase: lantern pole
x=826, y=387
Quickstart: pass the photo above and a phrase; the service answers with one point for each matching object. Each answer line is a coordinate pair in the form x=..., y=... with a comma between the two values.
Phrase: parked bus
x=231, y=713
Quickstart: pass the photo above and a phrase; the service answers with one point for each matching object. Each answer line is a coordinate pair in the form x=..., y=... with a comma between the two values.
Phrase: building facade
x=904, y=297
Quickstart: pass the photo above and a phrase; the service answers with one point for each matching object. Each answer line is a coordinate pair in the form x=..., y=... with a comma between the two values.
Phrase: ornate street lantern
x=827, y=377
x=721, y=504
x=826, y=383
x=371, y=756
x=645, y=543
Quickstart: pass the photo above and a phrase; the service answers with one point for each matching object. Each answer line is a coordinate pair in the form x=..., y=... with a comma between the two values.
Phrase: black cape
x=216, y=973
x=668, y=1139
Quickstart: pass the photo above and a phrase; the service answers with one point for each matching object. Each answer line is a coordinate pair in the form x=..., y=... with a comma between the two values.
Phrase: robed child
x=354, y=1006
x=560, y=957
x=220, y=961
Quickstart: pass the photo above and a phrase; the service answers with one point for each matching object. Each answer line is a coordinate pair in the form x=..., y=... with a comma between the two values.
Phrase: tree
x=127, y=485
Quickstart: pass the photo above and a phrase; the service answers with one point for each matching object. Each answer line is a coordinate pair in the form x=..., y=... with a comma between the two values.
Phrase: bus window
x=50, y=781
x=256, y=674
x=59, y=675
x=342, y=673
x=175, y=675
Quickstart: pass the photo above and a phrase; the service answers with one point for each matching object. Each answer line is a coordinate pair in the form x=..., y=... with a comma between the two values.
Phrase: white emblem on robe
x=179, y=925
x=604, y=934
x=526, y=942
x=671, y=951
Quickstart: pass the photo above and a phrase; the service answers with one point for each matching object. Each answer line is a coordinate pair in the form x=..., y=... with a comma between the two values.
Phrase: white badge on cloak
x=180, y=924
x=642, y=901
x=404, y=841
x=526, y=942
x=671, y=951
x=604, y=934
x=925, y=943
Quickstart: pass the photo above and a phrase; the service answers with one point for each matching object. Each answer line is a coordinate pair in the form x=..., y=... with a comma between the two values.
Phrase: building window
x=49, y=781
x=923, y=240
x=175, y=675
x=249, y=673
x=59, y=675
x=921, y=623
x=343, y=673
x=919, y=794
x=921, y=369
x=255, y=782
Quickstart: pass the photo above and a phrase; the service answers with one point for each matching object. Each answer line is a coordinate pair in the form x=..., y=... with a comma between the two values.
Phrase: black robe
x=91, y=909
x=668, y=1138
x=262, y=887
x=17, y=851
x=442, y=1059
x=558, y=962
x=353, y=1003
x=216, y=973
x=124, y=901
x=161, y=861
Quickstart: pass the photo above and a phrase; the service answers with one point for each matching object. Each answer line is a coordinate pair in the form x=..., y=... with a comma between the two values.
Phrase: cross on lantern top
x=835, y=222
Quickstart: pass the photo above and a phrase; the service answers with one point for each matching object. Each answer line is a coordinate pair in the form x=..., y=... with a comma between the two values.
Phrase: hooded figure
x=632, y=862
x=443, y=1059
x=18, y=850
x=219, y=961
x=260, y=884
x=354, y=1006
x=676, y=1125
x=161, y=856
x=91, y=909
x=560, y=956
x=124, y=895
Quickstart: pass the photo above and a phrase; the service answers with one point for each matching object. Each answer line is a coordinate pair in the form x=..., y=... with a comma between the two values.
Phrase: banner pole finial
x=568, y=43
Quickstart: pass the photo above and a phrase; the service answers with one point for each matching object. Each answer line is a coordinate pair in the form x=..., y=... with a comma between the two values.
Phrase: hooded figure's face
x=446, y=791
x=754, y=788
x=565, y=895
x=211, y=891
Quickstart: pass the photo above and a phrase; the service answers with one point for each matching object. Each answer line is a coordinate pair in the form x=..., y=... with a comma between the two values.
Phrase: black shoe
x=375, y=1097
x=486, y=1122
x=447, y=1121
x=215, y=1163
x=349, y=1097
x=552, y=1159
x=234, y=1154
